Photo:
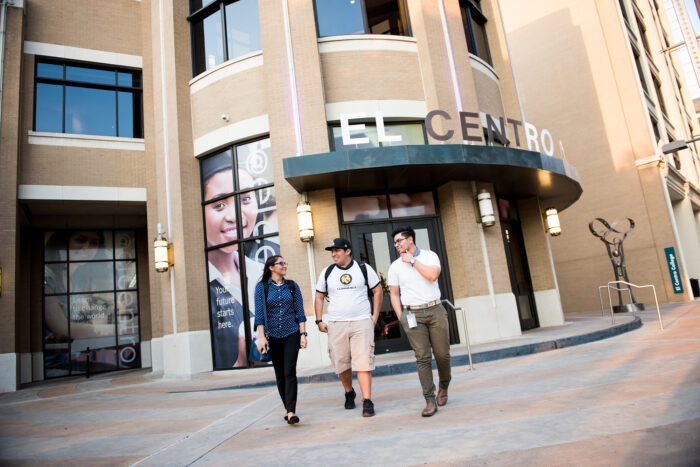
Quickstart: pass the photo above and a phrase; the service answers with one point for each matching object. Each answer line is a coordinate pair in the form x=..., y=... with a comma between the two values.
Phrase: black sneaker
x=350, y=399
x=367, y=408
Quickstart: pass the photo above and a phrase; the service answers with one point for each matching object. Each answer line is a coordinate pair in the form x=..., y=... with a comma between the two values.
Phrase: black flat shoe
x=292, y=420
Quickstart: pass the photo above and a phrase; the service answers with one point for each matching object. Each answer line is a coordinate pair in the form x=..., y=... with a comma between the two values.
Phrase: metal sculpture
x=616, y=253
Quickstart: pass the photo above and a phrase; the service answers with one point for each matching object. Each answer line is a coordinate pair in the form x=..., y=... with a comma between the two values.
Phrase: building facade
x=622, y=100
x=207, y=123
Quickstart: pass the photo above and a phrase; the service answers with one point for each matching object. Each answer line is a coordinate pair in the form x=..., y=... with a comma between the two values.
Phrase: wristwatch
x=318, y=321
x=304, y=333
x=413, y=261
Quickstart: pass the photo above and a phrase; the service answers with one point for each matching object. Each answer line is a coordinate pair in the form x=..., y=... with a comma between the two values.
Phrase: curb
x=462, y=360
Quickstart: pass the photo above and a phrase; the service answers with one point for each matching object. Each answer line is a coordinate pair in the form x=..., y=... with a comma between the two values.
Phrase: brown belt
x=420, y=307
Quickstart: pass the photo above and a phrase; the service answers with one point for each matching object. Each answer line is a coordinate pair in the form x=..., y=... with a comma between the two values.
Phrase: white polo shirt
x=347, y=292
x=413, y=287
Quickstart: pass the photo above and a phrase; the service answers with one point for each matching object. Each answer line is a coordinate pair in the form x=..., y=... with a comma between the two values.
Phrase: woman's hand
x=262, y=344
x=303, y=342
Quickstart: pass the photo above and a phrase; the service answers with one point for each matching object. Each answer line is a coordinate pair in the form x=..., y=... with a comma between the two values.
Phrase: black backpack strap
x=293, y=289
x=329, y=269
x=363, y=268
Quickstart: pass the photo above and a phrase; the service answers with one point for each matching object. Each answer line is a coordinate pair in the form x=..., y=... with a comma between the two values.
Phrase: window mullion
x=224, y=35
x=365, y=19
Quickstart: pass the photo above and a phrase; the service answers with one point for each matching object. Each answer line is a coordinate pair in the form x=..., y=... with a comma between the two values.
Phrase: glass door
x=373, y=244
x=517, y=265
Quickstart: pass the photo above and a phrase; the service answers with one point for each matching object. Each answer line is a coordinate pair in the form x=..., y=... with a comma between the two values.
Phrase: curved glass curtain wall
x=343, y=17
x=241, y=231
x=223, y=30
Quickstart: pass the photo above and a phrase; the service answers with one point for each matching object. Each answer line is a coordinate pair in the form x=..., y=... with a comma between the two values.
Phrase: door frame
x=434, y=226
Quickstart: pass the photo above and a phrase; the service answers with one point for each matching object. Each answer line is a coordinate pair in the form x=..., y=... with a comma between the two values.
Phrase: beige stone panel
x=496, y=248
x=436, y=69
x=462, y=240
x=307, y=66
x=368, y=75
x=91, y=24
x=282, y=120
x=241, y=96
x=9, y=163
x=661, y=229
x=326, y=224
x=174, y=142
x=500, y=56
x=535, y=238
x=460, y=52
x=489, y=95
x=58, y=165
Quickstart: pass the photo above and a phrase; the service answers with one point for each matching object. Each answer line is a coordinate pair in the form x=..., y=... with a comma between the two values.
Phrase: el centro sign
x=471, y=125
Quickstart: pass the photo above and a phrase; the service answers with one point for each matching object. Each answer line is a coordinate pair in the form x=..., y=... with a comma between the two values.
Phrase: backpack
x=363, y=268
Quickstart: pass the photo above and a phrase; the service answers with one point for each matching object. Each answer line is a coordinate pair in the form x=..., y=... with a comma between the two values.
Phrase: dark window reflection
x=410, y=133
x=107, y=104
x=339, y=17
x=49, y=108
x=474, y=23
x=223, y=31
x=91, y=111
x=90, y=75
x=242, y=28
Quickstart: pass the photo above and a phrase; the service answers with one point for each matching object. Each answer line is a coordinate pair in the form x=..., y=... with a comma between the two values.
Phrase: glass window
x=90, y=111
x=90, y=75
x=223, y=30
x=411, y=134
x=88, y=100
x=341, y=17
x=48, y=112
x=412, y=204
x=85, y=308
x=364, y=207
x=242, y=28
x=241, y=232
x=474, y=23
x=394, y=205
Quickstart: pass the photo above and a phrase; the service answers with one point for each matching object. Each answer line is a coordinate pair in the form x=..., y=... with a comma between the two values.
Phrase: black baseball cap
x=339, y=243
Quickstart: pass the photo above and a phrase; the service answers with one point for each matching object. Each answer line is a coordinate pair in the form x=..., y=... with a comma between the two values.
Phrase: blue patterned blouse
x=283, y=316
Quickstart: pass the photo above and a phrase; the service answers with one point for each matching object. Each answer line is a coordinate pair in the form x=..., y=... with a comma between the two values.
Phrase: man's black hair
x=406, y=230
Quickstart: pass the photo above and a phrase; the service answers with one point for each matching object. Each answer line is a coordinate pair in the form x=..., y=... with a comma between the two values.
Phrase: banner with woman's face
x=239, y=208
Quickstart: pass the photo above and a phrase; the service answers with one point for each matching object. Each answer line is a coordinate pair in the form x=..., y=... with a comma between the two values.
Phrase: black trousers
x=284, y=353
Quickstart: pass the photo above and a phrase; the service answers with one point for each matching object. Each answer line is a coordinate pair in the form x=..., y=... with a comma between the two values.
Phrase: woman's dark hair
x=406, y=231
x=268, y=264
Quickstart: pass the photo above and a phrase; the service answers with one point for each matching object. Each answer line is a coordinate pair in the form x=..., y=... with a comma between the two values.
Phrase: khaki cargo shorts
x=351, y=345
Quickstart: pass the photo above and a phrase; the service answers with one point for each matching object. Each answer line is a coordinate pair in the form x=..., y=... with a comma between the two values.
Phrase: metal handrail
x=658, y=311
x=466, y=331
x=600, y=296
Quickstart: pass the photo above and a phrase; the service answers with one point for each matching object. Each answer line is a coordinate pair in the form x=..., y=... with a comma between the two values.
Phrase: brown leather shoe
x=429, y=410
x=441, y=397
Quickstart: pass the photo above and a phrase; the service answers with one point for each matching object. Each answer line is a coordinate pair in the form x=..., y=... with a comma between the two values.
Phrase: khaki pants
x=432, y=331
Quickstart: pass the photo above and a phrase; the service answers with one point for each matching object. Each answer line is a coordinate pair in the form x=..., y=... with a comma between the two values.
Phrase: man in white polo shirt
x=415, y=298
x=351, y=320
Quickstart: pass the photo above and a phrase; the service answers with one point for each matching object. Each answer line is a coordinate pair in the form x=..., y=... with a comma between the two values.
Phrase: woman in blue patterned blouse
x=285, y=332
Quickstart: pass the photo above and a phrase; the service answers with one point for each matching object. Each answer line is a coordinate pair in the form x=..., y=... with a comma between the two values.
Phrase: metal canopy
x=514, y=172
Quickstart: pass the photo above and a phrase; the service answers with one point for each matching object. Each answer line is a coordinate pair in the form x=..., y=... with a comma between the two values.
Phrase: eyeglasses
x=396, y=242
x=281, y=263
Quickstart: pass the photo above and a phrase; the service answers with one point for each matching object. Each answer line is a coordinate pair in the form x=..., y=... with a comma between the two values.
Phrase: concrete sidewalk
x=631, y=398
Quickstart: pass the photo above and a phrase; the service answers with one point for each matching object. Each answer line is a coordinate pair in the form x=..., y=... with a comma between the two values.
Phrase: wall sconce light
x=486, y=209
x=553, y=225
x=306, y=223
x=161, y=251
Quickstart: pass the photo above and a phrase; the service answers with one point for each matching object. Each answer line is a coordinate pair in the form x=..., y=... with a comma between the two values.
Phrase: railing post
x=466, y=331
